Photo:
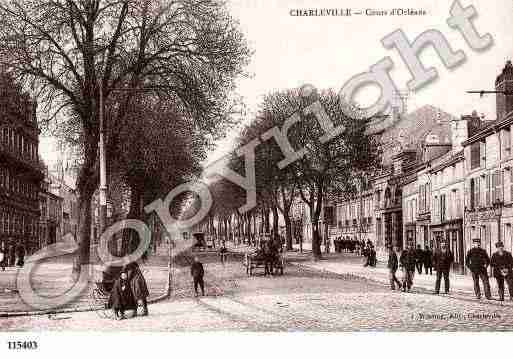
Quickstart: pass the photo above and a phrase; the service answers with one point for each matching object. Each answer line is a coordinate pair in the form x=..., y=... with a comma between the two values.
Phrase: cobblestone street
x=303, y=299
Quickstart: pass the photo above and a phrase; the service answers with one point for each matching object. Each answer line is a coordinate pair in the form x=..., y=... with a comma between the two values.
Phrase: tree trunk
x=86, y=185
x=275, y=221
x=266, y=220
x=130, y=239
x=84, y=233
x=316, y=238
x=288, y=231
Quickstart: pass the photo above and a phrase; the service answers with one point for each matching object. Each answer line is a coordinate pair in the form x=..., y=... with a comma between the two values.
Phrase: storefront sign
x=483, y=216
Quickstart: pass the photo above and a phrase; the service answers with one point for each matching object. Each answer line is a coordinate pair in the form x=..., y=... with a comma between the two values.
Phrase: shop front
x=450, y=232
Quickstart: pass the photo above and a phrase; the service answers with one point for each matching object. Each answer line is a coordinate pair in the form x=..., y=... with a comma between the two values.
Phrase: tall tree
x=327, y=168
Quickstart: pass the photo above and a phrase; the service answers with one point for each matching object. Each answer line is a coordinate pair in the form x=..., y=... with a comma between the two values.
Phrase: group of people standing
x=476, y=260
x=12, y=255
x=348, y=245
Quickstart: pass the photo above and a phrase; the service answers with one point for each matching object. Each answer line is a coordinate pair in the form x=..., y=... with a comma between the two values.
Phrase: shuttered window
x=498, y=185
x=476, y=192
x=511, y=185
x=487, y=189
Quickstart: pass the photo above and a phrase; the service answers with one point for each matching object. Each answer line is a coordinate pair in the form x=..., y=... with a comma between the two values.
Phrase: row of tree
x=328, y=170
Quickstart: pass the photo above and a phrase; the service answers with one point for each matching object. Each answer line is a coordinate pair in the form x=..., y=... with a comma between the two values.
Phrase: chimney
x=473, y=123
x=504, y=82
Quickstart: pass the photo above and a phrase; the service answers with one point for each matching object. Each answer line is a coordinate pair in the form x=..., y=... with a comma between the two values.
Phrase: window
x=511, y=185
x=457, y=202
x=498, y=186
x=474, y=192
x=442, y=208
x=475, y=158
x=482, y=150
x=435, y=208
x=506, y=142
x=487, y=189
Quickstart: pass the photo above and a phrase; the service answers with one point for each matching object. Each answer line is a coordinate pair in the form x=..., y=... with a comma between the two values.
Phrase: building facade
x=489, y=178
x=20, y=171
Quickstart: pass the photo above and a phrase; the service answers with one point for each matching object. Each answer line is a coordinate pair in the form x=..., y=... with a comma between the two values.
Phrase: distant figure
x=20, y=253
x=197, y=273
x=419, y=258
x=477, y=261
x=121, y=297
x=502, y=264
x=223, y=252
x=393, y=265
x=12, y=255
x=3, y=256
x=407, y=261
x=443, y=260
x=428, y=260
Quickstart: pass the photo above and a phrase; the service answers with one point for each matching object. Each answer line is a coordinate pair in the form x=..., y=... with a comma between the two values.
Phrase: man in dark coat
x=197, y=273
x=20, y=253
x=138, y=286
x=502, y=264
x=393, y=265
x=419, y=258
x=443, y=259
x=428, y=260
x=477, y=260
x=407, y=261
x=121, y=297
x=12, y=255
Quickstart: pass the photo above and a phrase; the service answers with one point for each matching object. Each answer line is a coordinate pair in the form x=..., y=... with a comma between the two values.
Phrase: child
x=121, y=297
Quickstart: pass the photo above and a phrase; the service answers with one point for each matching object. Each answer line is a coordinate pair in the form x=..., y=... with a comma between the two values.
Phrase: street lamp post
x=497, y=211
x=103, y=168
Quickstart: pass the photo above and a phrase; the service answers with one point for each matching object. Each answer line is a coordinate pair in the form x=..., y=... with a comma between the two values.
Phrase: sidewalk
x=352, y=264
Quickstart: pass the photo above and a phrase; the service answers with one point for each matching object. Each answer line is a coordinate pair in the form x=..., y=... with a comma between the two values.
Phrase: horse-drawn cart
x=270, y=263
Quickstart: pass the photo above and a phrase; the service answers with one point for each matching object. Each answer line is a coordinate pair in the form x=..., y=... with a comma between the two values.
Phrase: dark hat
x=499, y=244
x=476, y=240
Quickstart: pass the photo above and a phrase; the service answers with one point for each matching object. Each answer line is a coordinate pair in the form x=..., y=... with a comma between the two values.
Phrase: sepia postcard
x=312, y=171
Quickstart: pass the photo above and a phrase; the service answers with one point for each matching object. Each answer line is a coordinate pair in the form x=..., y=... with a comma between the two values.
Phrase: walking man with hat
x=443, y=259
x=477, y=261
x=502, y=264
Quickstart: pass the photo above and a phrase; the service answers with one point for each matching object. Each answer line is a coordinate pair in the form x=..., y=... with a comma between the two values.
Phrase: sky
x=291, y=51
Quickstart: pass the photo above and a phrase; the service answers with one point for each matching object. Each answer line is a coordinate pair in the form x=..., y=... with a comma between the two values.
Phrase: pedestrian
x=269, y=257
x=443, y=259
x=477, y=261
x=3, y=256
x=121, y=297
x=372, y=256
x=138, y=286
x=223, y=252
x=419, y=258
x=428, y=260
x=407, y=261
x=12, y=255
x=502, y=264
x=393, y=265
x=197, y=273
x=20, y=253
